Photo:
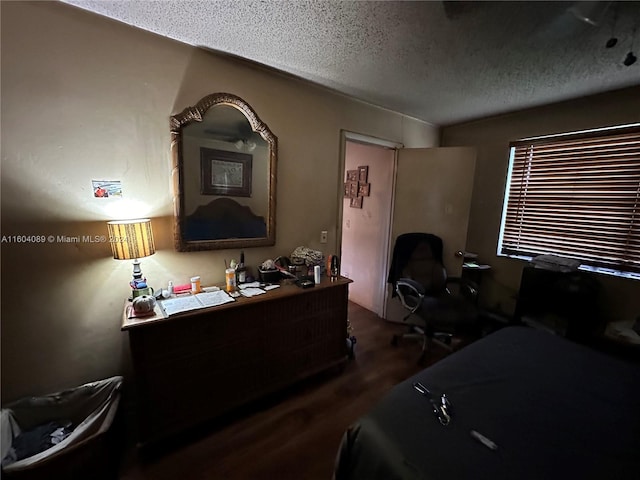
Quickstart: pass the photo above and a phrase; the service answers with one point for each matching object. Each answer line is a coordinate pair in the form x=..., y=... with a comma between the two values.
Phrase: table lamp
x=132, y=239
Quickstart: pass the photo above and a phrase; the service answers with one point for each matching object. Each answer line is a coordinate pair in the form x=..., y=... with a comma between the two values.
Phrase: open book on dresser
x=185, y=303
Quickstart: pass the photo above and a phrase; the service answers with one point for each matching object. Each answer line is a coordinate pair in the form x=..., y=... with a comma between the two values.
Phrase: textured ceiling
x=442, y=62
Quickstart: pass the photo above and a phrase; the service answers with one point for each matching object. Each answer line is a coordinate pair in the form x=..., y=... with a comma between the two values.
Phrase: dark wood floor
x=295, y=434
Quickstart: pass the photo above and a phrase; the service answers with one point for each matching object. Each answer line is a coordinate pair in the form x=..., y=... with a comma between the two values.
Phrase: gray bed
x=553, y=408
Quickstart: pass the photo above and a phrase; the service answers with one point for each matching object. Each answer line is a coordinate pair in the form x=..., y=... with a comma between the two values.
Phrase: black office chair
x=439, y=307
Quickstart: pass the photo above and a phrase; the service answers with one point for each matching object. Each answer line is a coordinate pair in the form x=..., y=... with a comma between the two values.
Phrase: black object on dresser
x=565, y=303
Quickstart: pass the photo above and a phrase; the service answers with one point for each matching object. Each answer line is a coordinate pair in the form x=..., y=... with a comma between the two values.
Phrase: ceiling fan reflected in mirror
x=592, y=13
x=240, y=136
x=596, y=14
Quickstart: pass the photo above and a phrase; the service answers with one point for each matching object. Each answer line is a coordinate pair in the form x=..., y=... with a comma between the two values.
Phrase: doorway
x=366, y=225
x=415, y=189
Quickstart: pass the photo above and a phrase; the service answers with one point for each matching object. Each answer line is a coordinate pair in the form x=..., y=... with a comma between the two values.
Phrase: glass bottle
x=241, y=270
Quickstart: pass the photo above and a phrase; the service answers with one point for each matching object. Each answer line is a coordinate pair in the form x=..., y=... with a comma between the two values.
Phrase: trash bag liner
x=91, y=408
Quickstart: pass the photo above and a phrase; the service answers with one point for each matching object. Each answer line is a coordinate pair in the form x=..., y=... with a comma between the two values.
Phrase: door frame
x=345, y=136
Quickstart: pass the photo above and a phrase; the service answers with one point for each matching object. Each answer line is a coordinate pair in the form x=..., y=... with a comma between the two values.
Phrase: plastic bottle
x=230, y=275
x=170, y=288
x=195, y=285
x=316, y=274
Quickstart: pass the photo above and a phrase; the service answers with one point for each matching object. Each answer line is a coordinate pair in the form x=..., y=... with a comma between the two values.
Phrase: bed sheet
x=555, y=409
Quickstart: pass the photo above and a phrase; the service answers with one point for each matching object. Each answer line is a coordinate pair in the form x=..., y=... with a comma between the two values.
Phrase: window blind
x=576, y=196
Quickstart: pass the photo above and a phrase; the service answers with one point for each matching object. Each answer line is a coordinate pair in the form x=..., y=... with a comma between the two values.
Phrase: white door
x=433, y=195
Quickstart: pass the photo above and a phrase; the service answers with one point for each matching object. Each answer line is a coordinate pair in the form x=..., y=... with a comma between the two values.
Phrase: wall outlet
x=323, y=236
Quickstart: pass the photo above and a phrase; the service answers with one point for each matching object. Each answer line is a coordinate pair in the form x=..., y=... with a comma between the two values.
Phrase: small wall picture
x=350, y=189
x=356, y=202
x=363, y=173
x=106, y=188
x=356, y=186
x=352, y=175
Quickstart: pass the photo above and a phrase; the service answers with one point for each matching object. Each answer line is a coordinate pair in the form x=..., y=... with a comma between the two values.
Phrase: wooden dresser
x=195, y=366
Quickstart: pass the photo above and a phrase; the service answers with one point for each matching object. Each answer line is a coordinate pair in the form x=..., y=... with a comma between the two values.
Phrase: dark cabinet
x=565, y=303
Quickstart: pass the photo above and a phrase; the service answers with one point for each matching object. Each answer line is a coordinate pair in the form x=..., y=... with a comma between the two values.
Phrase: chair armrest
x=410, y=293
x=466, y=287
x=411, y=285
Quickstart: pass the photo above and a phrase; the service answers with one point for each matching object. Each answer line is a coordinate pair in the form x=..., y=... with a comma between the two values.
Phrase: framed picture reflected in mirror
x=225, y=173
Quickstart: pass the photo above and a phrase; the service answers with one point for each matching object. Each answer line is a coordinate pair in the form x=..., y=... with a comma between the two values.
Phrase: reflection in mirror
x=224, y=176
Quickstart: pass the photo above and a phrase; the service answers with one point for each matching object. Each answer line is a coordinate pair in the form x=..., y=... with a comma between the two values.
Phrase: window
x=576, y=196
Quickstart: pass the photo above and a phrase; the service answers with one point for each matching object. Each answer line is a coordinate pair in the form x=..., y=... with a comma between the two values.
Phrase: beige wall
x=87, y=98
x=491, y=136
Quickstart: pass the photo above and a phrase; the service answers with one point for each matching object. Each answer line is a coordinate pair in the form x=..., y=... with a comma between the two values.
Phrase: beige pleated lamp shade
x=131, y=239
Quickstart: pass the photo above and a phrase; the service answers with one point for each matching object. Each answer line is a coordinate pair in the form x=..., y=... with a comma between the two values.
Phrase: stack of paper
x=251, y=292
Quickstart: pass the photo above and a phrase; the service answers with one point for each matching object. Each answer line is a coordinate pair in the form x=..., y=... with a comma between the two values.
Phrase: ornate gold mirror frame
x=242, y=213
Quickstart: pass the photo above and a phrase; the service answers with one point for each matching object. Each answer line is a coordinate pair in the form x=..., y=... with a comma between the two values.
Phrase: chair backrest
x=419, y=256
x=425, y=268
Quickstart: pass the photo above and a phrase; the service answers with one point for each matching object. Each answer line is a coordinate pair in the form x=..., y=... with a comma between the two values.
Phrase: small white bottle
x=316, y=274
x=170, y=288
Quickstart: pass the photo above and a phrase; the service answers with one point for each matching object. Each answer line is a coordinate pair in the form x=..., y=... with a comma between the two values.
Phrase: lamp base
x=138, y=281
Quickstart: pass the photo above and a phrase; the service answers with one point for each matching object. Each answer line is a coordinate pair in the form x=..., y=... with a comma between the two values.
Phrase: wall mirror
x=224, y=176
